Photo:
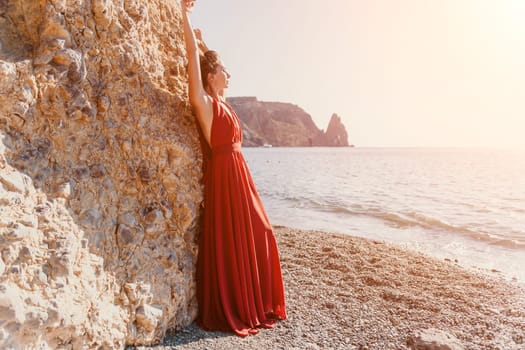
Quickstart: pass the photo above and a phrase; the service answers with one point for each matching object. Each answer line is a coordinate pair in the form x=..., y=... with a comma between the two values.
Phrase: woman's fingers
x=188, y=5
x=198, y=33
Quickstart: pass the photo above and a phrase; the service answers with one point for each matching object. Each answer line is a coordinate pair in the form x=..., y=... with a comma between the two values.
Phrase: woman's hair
x=209, y=63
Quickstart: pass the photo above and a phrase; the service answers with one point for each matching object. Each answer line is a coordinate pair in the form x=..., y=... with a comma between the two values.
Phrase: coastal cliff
x=284, y=124
x=99, y=174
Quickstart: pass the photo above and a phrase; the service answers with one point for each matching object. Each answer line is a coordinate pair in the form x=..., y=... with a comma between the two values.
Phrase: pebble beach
x=345, y=292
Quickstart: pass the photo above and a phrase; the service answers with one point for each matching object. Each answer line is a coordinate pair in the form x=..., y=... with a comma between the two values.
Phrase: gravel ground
x=345, y=292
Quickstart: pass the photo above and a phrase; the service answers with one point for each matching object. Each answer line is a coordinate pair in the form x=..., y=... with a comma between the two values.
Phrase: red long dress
x=239, y=281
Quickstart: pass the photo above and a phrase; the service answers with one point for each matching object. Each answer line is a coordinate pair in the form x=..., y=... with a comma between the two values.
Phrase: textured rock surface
x=99, y=174
x=284, y=124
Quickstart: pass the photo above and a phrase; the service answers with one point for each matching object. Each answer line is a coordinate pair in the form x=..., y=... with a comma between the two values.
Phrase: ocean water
x=461, y=204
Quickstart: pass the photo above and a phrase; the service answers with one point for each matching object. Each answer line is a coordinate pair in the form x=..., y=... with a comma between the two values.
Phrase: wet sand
x=345, y=292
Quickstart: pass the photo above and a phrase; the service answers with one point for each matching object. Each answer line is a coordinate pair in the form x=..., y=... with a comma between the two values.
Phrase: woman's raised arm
x=198, y=97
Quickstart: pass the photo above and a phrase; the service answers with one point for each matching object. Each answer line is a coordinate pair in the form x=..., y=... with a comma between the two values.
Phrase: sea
x=464, y=205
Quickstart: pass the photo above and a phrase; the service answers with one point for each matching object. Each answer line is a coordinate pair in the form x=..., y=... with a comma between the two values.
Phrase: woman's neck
x=218, y=94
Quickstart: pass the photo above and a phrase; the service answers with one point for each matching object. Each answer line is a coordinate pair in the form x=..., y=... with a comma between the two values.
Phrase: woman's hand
x=200, y=42
x=187, y=5
x=198, y=34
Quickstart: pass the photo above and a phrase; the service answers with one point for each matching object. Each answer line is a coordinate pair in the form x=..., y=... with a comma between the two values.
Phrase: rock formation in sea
x=336, y=135
x=99, y=174
x=284, y=124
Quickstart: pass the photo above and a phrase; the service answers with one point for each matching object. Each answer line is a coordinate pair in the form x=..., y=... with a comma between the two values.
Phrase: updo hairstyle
x=209, y=63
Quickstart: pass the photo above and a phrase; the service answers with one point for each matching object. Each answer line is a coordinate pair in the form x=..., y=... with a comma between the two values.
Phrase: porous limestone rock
x=100, y=174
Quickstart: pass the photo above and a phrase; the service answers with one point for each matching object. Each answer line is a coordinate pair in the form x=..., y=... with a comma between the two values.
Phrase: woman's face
x=221, y=77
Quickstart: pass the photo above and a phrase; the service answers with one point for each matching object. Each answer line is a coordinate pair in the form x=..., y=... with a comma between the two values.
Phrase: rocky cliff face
x=99, y=174
x=284, y=124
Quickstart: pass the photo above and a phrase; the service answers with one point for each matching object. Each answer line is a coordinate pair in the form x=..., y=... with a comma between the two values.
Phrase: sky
x=400, y=73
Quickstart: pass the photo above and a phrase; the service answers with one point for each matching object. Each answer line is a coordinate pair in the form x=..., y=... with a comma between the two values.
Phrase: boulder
x=94, y=116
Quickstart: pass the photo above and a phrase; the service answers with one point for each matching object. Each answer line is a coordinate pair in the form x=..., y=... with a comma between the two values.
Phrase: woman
x=239, y=282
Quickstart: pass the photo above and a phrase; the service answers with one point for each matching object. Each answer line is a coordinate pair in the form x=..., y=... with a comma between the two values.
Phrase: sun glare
x=517, y=9
x=508, y=14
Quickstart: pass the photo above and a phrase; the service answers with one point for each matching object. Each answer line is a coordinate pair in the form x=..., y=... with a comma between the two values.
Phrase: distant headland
x=284, y=125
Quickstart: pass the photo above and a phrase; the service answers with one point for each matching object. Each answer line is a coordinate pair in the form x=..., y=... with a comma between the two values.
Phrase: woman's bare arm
x=199, y=99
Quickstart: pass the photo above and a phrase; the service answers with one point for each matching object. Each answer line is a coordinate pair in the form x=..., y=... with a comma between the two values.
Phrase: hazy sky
x=398, y=72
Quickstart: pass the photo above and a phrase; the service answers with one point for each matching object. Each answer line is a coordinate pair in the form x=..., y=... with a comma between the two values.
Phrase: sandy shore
x=345, y=292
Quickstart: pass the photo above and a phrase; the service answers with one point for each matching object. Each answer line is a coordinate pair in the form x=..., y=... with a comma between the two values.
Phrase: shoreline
x=474, y=259
x=347, y=292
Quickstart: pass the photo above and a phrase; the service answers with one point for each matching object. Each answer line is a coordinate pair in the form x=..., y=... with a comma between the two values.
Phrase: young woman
x=239, y=282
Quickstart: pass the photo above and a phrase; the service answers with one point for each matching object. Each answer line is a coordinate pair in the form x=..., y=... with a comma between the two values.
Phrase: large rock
x=433, y=339
x=99, y=174
x=284, y=124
